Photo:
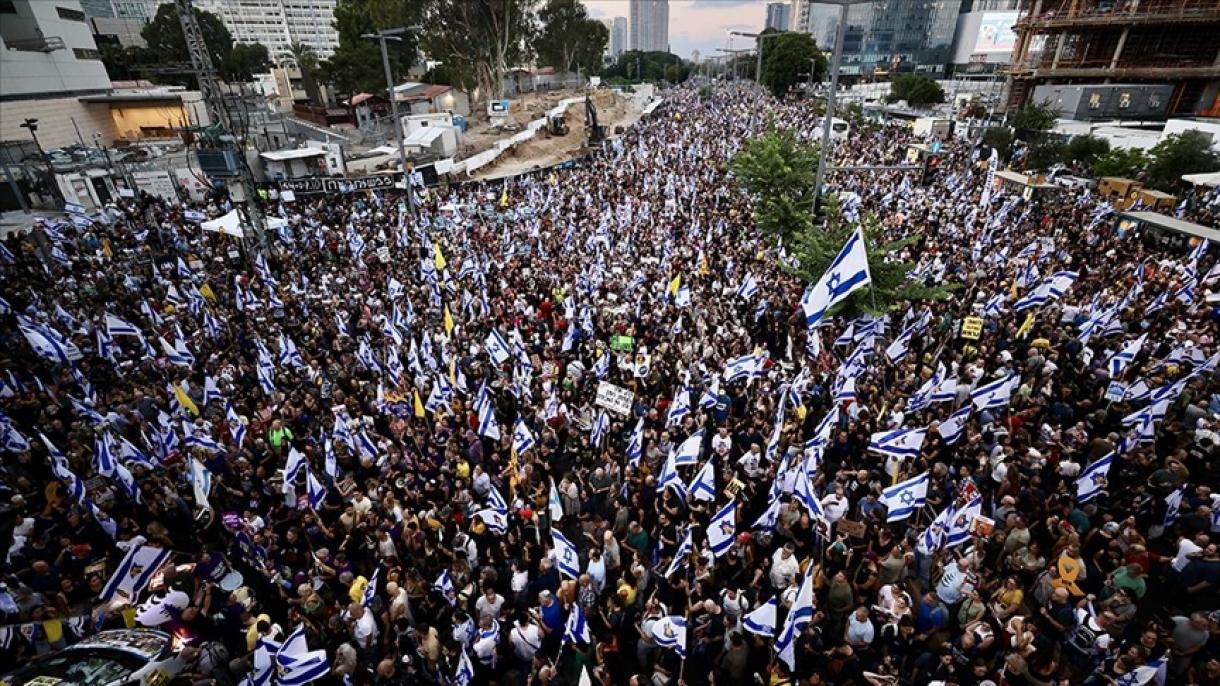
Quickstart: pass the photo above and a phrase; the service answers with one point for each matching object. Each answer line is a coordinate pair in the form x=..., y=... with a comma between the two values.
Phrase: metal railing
x=39, y=44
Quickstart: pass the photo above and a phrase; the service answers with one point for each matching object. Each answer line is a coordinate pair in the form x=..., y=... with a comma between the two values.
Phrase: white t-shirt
x=526, y=641
x=721, y=445
x=1185, y=547
x=783, y=572
x=489, y=608
x=365, y=630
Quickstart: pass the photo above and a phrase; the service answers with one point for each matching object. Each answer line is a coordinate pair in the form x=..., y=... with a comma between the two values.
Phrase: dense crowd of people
x=573, y=425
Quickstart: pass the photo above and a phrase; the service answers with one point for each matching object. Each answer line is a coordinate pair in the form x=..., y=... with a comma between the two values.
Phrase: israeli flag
x=1121, y=359
x=135, y=571
x=995, y=394
x=496, y=501
x=846, y=274
x=1092, y=481
x=1145, y=674
x=761, y=622
x=1051, y=288
x=370, y=589
x=295, y=466
x=905, y=498
x=1173, y=502
x=741, y=368
x=669, y=477
x=930, y=540
x=704, y=485
x=237, y=428
x=601, y=368
x=768, y=519
x=496, y=522
x=670, y=632
x=488, y=428
x=444, y=586
x=465, y=670
x=959, y=526
x=317, y=491
x=901, y=443
x=565, y=555
x=807, y=496
x=296, y=665
x=600, y=426
x=497, y=348
x=684, y=549
x=577, y=629
x=799, y=615
x=748, y=288
x=554, y=505
x=722, y=528
x=523, y=440
x=952, y=429
x=679, y=408
x=688, y=452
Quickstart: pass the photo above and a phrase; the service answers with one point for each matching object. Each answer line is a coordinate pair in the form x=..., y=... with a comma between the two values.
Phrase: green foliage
x=479, y=40
x=916, y=90
x=125, y=64
x=166, y=44
x=246, y=60
x=815, y=250
x=786, y=57
x=356, y=66
x=1044, y=152
x=779, y=172
x=1000, y=138
x=569, y=39
x=1086, y=149
x=636, y=66
x=1190, y=152
x=1035, y=116
x=1125, y=162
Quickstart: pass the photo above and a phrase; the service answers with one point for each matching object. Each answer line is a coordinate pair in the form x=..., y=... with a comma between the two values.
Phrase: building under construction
x=1172, y=42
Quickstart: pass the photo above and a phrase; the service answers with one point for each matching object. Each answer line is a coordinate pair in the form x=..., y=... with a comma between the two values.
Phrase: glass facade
x=888, y=36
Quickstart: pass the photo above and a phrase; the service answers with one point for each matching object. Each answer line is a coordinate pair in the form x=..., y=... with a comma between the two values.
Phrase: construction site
x=1175, y=42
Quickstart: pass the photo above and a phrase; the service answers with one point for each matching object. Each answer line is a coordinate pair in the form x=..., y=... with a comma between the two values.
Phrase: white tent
x=1211, y=179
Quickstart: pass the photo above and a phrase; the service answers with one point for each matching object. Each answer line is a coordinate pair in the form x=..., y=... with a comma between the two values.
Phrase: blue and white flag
x=690, y=449
x=768, y=519
x=523, y=440
x=704, y=485
x=800, y=614
x=370, y=589
x=496, y=521
x=722, y=529
x=684, y=548
x=995, y=394
x=465, y=670
x=1092, y=481
x=564, y=552
x=317, y=490
x=679, y=408
x=745, y=367
x=748, y=288
x=497, y=348
x=952, y=429
x=577, y=629
x=930, y=540
x=1145, y=674
x=959, y=525
x=601, y=425
x=635, y=444
x=296, y=665
x=444, y=586
x=847, y=273
x=1173, y=503
x=670, y=632
x=1121, y=359
x=601, y=368
x=1051, y=288
x=905, y=498
x=761, y=622
x=669, y=477
x=900, y=443
x=488, y=427
x=133, y=574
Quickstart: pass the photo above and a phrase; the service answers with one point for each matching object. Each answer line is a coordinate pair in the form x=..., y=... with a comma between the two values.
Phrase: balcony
x=1101, y=14
x=40, y=44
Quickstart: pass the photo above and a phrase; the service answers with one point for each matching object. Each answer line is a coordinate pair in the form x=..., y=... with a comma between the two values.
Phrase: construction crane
x=213, y=99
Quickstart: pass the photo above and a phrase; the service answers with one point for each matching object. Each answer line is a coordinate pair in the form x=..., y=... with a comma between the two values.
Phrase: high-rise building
x=887, y=36
x=649, y=25
x=136, y=9
x=278, y=24
x=779, y=16
x=1091, y=41
x=618, y=36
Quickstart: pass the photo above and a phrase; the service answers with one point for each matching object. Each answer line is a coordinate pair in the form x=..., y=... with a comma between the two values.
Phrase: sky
x=701, y=25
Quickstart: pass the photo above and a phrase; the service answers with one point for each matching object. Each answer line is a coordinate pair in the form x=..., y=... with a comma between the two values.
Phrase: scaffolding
x=1120, y=41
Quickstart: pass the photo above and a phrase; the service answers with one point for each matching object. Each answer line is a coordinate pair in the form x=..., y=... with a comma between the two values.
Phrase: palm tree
x=307, y=61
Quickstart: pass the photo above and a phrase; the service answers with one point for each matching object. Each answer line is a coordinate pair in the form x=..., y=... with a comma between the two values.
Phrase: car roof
x=145, y=643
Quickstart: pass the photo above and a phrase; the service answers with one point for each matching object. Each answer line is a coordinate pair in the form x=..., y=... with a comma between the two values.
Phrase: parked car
x=123, y=657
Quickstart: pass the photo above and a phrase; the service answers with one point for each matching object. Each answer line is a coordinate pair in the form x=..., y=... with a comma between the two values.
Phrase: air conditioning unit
x=222, y=162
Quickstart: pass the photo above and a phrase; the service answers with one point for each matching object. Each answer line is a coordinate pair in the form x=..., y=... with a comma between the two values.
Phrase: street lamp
x=760, y=37
x=396, y=36
x=836, y=61
x=32, y=125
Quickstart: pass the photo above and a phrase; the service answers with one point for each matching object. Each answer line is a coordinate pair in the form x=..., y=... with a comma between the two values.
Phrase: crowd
x=573, y=427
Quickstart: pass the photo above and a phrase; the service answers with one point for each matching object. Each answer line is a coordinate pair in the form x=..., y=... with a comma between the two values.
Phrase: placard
x=1116, y=391
x=383, y=254
x=321, y=185
x=643, y=364
x=288, y=196
x=614, y=398
x=734, y=488
x=622, y=343
x=852, y=529
x=972, y=328
x=981, y=526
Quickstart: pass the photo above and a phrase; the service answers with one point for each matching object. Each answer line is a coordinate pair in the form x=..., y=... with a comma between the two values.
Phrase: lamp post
x=396, y=36
x=760, y=37
x=836, y=61
x=32, y=125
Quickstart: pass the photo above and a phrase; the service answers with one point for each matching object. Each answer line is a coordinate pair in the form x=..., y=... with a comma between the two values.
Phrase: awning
x=295, y=154
x=1211, y=179
x=1173, y=224
x=424, y=136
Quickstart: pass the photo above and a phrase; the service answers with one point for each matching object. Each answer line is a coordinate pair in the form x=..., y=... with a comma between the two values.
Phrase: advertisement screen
x=996, y=33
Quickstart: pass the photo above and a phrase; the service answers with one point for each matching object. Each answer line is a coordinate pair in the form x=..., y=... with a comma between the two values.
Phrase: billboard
x=996, y=32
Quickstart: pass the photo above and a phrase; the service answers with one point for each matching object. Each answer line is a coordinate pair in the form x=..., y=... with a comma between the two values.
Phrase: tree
x=778, y=171
x=569, y=38
x=165, y=41
x=307, y=61
x=479, y=40
x=1000, y=138
x=356, y=66
x=916, y=90
x=246, y=60
x=125, y=63
x=1035, y=117
x=786, y=57
x=890, y=289
x=636, y=66
x=1086, y=149
x=1044, y=153
x=1190, y=152
x=1124, y=162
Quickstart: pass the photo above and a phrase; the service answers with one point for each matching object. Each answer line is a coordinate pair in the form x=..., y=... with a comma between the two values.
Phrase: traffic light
x=931, y=164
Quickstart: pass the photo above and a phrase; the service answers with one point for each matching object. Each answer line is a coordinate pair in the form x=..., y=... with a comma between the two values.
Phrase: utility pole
x=836, y=61
x=396, y=129
x=760, y=38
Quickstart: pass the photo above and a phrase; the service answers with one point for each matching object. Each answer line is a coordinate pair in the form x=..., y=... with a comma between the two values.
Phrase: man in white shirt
x=751, y=462
x=526, y=638
x=364, y=627
x=489, y=604
x=722, y=442
x=784, y=567
x=954, y=582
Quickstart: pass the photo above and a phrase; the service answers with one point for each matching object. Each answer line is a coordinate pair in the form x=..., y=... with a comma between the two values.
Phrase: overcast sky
x=697, y=24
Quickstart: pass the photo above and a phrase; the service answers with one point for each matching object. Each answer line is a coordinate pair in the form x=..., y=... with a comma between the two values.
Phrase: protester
x=378, y=448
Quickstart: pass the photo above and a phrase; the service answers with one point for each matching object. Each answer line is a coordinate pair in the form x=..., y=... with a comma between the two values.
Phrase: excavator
x=596, y=132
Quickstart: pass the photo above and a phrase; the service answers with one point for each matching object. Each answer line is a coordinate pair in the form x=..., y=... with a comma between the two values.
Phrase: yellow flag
x=1026, y=326
x=206, y=291
x=106, y=248
x=419, y=406
x=185, y=400
x=129, y=616
x=438, y=257
x=504, y=199
x=453, y=370
x=675, y=285
x=448, y=322
x=1012, y=292
x=54, y=629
